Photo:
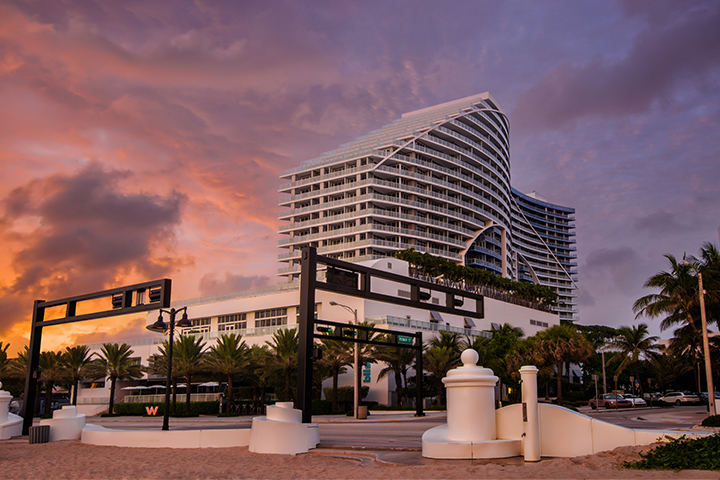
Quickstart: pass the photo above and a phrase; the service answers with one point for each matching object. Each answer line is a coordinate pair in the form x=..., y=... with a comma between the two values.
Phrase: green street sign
x=405, y=340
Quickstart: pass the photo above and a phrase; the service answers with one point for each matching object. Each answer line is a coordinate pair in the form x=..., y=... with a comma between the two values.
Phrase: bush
x=345, y=394
x=138, y=409
x=682, y=453
x=711, y=421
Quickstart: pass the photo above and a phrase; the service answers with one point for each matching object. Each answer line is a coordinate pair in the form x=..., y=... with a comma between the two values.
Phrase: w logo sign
x=151, y=410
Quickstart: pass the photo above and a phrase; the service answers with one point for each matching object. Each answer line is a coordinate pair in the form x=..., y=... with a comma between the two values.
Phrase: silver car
x=679, y=398
x=637, y=401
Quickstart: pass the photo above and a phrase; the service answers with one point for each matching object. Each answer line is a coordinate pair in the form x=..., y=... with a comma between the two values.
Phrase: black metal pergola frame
x=125, y=300
x=356, y=281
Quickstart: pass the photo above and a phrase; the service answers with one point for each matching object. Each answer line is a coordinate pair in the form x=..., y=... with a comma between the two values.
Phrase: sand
x=74, y=460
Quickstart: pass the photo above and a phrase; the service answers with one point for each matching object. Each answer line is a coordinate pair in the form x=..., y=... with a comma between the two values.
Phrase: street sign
x=405, y=340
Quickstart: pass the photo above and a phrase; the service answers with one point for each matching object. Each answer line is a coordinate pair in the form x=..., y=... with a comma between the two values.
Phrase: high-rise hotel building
x=436, y=180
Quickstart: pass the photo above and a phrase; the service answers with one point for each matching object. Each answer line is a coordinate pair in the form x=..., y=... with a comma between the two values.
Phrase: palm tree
x=157, y=365
x=259, y=374
x=678, y=297
x=189, y=351
x=116, y=363
x=75, y=361
x=634, y=343
x=228, y=357
x=4, y=361
x=284, y=355
x=51, y=371
x=336, y=357
x=397, y=361
x=561, y=345
x=438, y=361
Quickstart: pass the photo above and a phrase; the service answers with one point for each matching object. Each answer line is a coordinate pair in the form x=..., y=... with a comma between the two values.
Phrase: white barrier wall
x=565, y=433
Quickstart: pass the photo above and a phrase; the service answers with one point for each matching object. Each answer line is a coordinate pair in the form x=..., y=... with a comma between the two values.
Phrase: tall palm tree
x=189, y=351
x=284, y=356
x=228, y=357
x=51, y=371
x=634, y=344
x=116, y=363
x=75, y=361
x=563, y=344
x=678, y=297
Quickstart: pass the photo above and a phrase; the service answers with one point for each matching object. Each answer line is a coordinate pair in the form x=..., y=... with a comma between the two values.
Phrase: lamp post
x=706, y=348
x=706, y=344
x=356, y=362
x=161, y=326
x=602, y=350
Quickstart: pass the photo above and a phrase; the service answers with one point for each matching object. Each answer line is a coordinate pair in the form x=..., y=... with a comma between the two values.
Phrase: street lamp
x=602, y=350
x=706, y=343
x=706, y=348
x=356, y=361
x=161, y=326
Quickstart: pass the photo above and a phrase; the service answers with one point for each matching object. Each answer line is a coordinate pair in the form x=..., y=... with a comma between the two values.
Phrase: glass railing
x=377, y=212
x=416, y=325
x=430, y=179
x=372, y=227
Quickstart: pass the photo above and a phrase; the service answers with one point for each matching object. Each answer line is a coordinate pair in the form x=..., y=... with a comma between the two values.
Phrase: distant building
x=436, y=180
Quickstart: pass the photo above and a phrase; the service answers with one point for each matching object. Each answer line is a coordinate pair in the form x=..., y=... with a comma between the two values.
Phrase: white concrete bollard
x=470, y=401
x=5, y=399
x=531, y=418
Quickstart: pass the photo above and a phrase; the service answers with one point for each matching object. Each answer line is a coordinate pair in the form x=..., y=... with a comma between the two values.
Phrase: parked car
x=679, y=398
x=636, y=401
x=609, y=400
x=703, y=396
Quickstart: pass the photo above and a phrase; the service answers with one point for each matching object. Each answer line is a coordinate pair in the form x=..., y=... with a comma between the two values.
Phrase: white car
x=637, y=401
x=678, y=398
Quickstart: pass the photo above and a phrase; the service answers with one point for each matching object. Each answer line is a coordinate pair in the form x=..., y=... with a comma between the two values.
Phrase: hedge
x=138, y=409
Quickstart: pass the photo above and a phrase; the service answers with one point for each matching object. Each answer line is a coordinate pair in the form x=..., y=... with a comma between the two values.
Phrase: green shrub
x=138, y=409
x=345, y=394
x=711, y=421
x=321, y=407
x=681, y=454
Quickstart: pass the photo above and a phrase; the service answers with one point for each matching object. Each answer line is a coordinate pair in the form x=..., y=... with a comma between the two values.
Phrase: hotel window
x=201, y=325
x=236, y=321
x=271, y=318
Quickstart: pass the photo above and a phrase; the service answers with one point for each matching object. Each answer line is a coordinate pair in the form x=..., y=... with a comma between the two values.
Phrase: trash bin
x=39, y=434
x=362, y=412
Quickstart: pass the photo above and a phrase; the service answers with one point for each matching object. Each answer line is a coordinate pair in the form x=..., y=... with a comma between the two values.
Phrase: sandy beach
x=74, y=460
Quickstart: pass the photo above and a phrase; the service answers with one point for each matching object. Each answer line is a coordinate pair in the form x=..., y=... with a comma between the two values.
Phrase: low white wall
x=565, y=433
x=216, y=438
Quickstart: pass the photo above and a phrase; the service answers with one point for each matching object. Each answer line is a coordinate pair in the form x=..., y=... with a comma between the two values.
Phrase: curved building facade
x=436, y=180
x=545, y=251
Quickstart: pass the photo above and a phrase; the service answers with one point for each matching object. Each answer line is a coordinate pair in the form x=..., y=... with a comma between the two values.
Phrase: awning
x=469, y=323
x=209, y=384
x=436, y=318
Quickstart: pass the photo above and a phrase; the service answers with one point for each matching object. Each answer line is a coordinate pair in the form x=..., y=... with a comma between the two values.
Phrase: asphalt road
x=655, y=418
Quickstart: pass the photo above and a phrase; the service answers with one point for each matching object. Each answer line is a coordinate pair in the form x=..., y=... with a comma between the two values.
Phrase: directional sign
x=405, y=340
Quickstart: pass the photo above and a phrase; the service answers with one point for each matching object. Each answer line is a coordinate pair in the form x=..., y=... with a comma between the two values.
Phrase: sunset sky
x=142, y=140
